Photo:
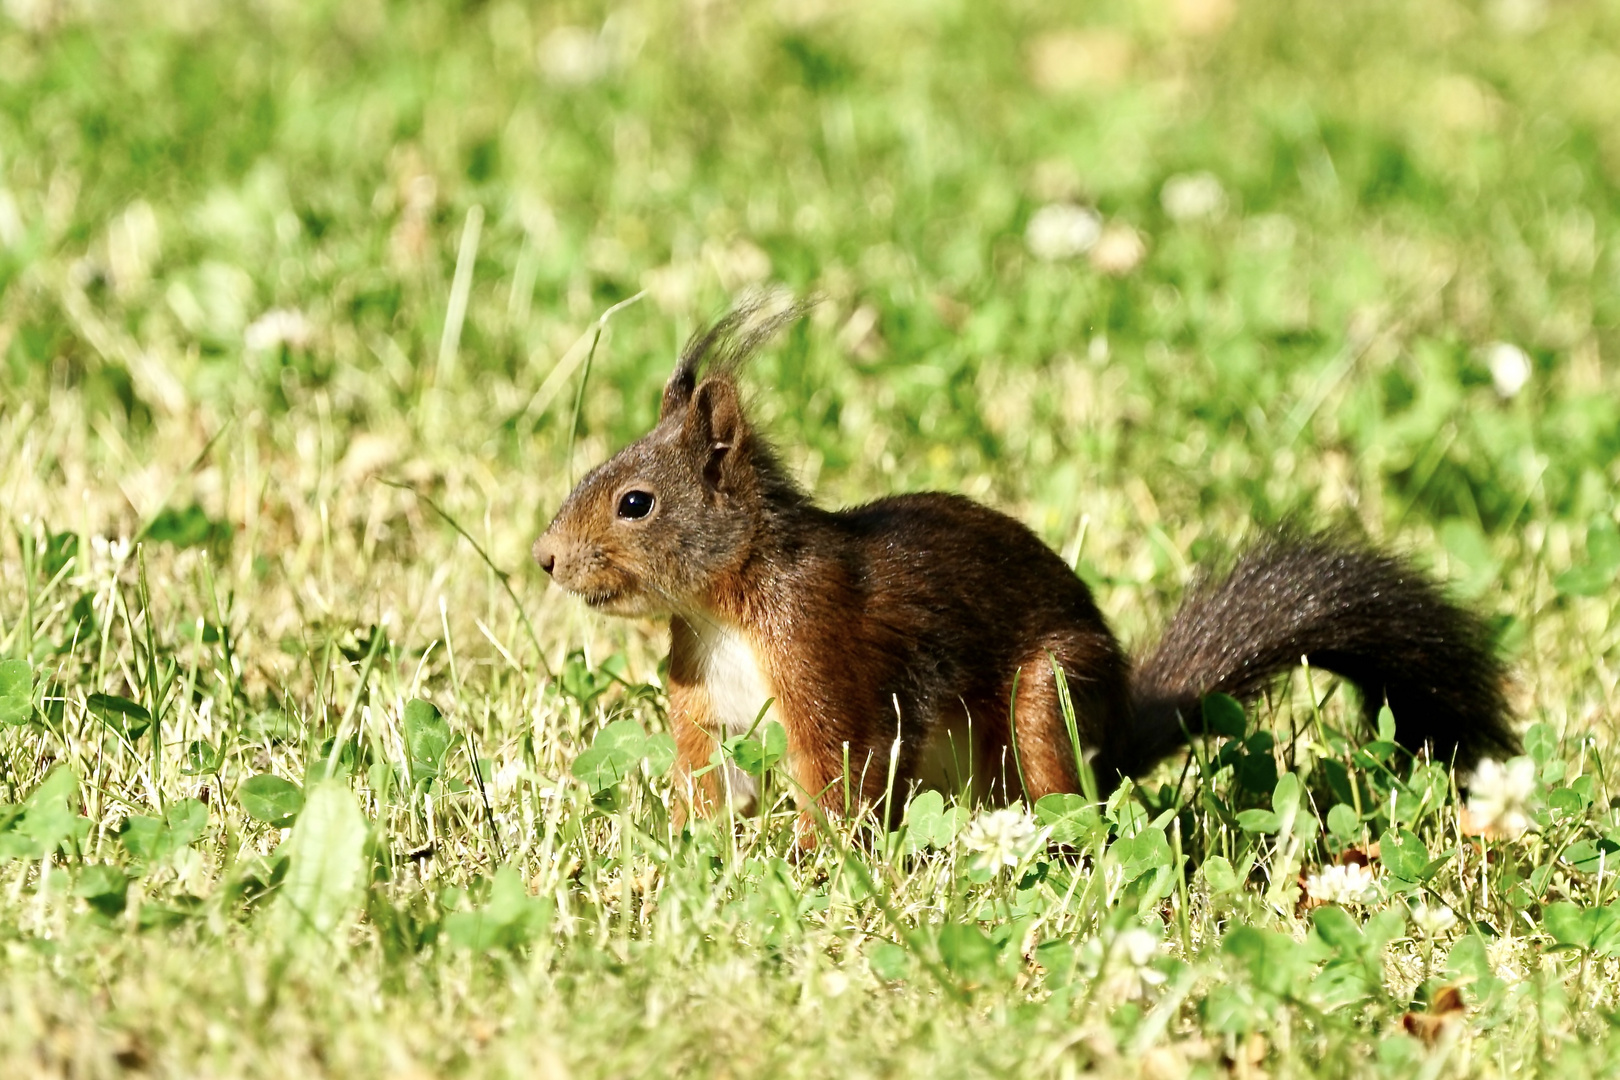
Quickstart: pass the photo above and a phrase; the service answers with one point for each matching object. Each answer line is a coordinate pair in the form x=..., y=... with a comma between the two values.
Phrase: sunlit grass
x=296, y=305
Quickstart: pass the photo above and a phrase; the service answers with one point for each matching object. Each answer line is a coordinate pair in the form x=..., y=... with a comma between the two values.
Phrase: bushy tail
x=1360, y=614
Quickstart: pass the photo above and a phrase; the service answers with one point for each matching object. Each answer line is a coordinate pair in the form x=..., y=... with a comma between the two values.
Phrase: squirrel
x=932, y=628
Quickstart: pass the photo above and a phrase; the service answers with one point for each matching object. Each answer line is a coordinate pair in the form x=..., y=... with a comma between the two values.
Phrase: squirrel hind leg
x=1046, y=752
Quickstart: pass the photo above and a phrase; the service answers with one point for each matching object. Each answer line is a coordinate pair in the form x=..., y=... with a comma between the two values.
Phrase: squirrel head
x=659, y=526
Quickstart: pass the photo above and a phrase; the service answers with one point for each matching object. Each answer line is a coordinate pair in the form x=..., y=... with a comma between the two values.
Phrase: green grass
x=449, y=196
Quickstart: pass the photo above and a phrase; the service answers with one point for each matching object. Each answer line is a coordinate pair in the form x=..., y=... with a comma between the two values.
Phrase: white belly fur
x=737, y=689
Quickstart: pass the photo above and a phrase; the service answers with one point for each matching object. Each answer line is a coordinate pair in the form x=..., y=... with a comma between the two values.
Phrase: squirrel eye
x=635, y=504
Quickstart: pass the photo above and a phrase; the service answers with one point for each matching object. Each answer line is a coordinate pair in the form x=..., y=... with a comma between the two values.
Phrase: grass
x=299, y=303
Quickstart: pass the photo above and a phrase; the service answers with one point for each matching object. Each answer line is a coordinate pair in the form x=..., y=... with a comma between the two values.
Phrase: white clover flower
x=1431, y=922
x=1510, y=368
x=1498, y=796
x=1124, y=961
x=1119, y=250
x=109, y=554
x=275, y=328
x=1138, y=946
x=1192, y=197
x=1349, y=884
x=1062, y=231
x=1001, y=838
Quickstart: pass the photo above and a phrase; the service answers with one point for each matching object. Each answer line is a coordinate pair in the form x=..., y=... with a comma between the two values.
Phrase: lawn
x=311, y=313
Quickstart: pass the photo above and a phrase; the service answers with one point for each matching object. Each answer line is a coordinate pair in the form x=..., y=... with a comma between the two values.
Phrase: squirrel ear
x=716, y=428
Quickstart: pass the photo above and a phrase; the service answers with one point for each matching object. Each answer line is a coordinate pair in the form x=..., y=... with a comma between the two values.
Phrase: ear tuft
x=678, y=390
x=727, y=344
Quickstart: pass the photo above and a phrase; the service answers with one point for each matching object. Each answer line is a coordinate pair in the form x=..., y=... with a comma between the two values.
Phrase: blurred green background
x=1175, y=264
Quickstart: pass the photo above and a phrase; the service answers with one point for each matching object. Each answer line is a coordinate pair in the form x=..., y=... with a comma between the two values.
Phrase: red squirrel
x=929, y=624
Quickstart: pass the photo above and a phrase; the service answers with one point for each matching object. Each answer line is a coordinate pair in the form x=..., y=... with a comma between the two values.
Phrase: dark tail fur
x=1360, y=614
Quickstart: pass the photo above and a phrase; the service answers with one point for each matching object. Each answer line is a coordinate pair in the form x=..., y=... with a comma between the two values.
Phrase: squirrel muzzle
x=545, y=552
x=594, y=575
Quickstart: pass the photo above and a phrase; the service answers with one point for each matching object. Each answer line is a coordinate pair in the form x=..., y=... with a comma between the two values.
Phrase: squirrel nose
x=543, y=553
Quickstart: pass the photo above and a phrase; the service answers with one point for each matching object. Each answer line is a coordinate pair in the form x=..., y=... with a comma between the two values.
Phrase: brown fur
x=911, y=617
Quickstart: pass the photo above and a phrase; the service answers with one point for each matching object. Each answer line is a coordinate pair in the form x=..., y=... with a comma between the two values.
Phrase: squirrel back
x=919, y=635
